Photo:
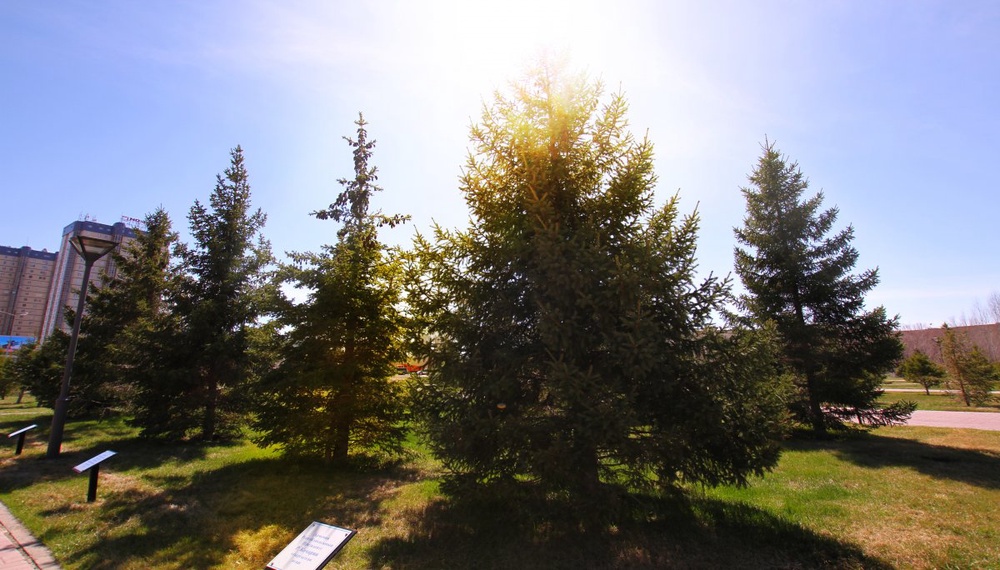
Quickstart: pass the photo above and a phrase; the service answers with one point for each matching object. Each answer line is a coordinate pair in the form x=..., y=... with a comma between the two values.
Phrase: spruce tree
x=970, y=373
x=797, y=272
x=333, y=390
x=920, y=369
x=119, y=346
x=224, y=291
x=38, y=368
x=570, y=344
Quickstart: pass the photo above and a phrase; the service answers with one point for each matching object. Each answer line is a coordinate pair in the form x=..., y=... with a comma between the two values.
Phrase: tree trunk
x=588, y=483
x=341, y=441
x=341, y=418
x=590, y=477
x=343, y=407
x=211, y=402
x=965, y=392
x=815, y=409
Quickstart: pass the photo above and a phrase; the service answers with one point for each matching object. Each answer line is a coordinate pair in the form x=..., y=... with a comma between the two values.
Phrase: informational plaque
x=19, y=434
x=23, y=430
x=94, y=465
x=93, y=461
x=313, y=548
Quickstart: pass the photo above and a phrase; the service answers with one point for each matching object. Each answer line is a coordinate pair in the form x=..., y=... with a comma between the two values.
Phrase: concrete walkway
x=971, y=420
x=932, y=390
x=19, y=550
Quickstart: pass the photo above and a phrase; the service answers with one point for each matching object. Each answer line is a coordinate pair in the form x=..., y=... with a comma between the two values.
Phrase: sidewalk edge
x=38, y=552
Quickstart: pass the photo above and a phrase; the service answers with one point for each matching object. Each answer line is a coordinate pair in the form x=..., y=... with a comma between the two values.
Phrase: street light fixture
x=90, y=249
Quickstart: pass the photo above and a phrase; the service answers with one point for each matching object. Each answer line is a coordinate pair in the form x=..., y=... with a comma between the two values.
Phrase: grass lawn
x=893, y=381
x=938, y=401
x=903, y=497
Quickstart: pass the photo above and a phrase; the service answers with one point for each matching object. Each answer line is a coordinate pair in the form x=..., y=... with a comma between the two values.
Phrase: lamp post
x=90, y=249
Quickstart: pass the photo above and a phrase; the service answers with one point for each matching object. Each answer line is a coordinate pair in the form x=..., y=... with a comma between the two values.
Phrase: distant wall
x=986, y=337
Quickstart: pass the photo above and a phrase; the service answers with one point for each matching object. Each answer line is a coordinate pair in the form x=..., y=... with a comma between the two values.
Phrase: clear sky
x=113, y=108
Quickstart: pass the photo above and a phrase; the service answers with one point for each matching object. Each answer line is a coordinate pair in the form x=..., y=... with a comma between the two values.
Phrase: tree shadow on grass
x=33, y=467
x=676, y=532
x=40, y=417
x=978, y=468
x=262, y=501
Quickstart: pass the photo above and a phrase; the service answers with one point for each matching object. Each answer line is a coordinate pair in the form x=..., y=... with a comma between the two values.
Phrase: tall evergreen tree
x=332, y=391
x=970, y=373
x=224, y=290
x=118, y=346
x=569, y=341
x=799, y=275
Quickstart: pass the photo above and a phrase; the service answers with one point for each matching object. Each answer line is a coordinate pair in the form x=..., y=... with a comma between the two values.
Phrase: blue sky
x=113, y=108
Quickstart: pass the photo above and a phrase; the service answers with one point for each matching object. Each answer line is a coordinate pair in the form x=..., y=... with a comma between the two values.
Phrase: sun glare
x=482, y=45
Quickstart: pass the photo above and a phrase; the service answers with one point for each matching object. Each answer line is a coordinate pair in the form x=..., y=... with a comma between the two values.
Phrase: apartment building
x=25, y=281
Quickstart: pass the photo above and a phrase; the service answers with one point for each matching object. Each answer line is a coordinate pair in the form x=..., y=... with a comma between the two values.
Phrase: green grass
x=893, y=381
x=901, y=497
x=938, y=401
x=900, y=492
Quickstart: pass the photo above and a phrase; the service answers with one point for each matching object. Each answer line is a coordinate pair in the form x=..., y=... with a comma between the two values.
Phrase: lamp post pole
x=91, y=249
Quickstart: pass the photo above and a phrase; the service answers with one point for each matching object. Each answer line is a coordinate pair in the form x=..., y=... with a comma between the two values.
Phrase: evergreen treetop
x=798, y=273
x=352, y=204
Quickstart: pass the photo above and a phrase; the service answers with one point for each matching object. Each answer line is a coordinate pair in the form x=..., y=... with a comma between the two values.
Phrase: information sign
x=93, y=461
x=313, y=548
x=19, y=434
x=22, y=430
x=94, y=464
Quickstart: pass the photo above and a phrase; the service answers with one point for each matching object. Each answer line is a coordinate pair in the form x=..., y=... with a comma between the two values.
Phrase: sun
x=492, y=42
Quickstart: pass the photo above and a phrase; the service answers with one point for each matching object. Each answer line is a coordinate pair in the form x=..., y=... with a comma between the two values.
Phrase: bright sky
x=113, y=108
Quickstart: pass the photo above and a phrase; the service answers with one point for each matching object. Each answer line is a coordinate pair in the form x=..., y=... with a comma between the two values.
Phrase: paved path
x=932, y=390
x=19, y=550
x=973, y=420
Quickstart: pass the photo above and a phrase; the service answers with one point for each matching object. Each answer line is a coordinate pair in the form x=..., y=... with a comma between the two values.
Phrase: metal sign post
x=20, y=437
x=94, y=464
